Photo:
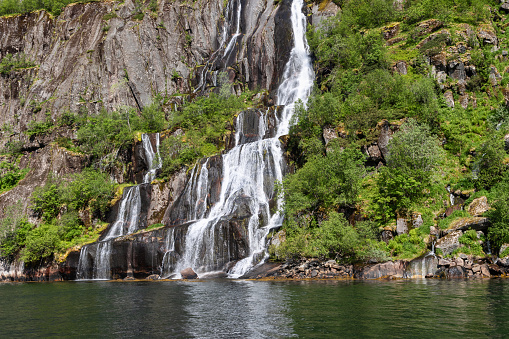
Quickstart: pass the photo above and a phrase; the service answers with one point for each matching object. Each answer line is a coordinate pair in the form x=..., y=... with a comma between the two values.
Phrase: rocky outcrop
x=478, y=206
x=450, y=242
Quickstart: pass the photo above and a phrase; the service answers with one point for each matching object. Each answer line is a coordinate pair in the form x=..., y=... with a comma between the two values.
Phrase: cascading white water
x=153, y=158
x=225, y=44
x=251, y=169
x=127, y=220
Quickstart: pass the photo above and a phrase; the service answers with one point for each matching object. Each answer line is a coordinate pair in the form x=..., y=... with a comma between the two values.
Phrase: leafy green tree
x=413, y=155
x=414, y=150
x=498, y=233
x=325, y=182
x=489, y=166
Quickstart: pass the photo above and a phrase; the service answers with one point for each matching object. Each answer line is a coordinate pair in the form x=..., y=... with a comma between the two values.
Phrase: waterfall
x=127, y=220
x=226, y=45
x=250, y=171
x=153, y=158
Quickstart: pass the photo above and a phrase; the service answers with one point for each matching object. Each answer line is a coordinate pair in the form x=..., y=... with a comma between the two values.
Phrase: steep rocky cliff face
x=105, y=55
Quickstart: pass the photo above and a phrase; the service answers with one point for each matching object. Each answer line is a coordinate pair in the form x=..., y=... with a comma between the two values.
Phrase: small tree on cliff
x=413, y=155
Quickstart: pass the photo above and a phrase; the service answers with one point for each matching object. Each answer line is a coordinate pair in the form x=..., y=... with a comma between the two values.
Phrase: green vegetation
x=15, y=62
x=25, y=6
x=360, y=94
x=59, y=203
x=205, y=123
x=471, y=244
x=10, y=175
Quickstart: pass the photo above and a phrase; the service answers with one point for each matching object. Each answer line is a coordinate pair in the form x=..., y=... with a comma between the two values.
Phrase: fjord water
x=257, y=309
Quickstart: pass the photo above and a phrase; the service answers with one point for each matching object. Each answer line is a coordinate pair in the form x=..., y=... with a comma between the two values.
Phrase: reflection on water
x=254, y=309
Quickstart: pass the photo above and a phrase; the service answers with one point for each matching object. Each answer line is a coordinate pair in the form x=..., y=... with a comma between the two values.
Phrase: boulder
x=487, y=36
x=449, y=99
x=478, y=206
x=504, y=7
x=390, y=31
x=470, y=223
x=456, y=272
x=400, y=67
x=464, y=101
x=394, y=269
x=188, y=273
x=417, y=220
x=504, y=262
x=502, y=249
x=387, y=236
x=329, y=134
x=426, y=27
x=450, y=242
x=494, y=77
x=374, y=153
x=401, y=226
x=485, y=270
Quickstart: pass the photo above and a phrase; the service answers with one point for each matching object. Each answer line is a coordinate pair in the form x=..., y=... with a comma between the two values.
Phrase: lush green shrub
x=47, y=200
x=14, y=229
x=498, y=233
x=40, y=243
x=471, y=244
x=324, y=182
x=11, y=62
x=414, y=151
x=489, y=166
x=205, y=123
x=40, y=127
x=407, y=246
x=10, y=175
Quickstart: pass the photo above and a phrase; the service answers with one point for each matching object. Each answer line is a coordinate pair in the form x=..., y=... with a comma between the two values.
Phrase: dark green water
x=255, y=309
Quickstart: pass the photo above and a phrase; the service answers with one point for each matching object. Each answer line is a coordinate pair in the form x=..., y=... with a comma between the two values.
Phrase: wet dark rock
x=456, y=272
x=188, y=273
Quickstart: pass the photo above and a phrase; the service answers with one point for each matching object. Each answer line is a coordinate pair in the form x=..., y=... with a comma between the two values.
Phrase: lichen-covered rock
x=478, y=206
x=390, y=31
x=329, y=134
x=390, y=269
x=401, y=226
x=426, y=27
x=449, y=99
x=487, y=35
x=400, y=67
x=469, y=223
x=450, y=242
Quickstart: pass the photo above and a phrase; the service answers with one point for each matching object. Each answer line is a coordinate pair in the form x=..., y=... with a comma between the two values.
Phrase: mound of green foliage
x=59, y=203
x=433, y=146
x=15, y=62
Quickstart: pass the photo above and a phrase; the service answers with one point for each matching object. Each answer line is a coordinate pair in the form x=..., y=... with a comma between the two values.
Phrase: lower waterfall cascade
x=127, y=220
x=250, y=171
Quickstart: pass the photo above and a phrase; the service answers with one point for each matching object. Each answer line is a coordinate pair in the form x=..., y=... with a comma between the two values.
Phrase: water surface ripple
x=256, y=309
